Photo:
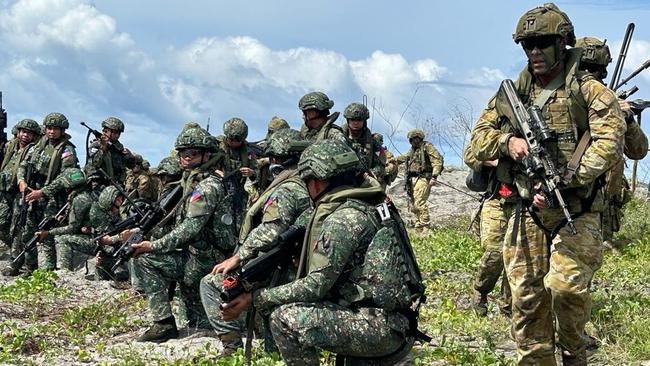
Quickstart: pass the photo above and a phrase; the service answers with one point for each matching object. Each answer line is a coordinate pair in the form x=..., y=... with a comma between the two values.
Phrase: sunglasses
x=538, y=42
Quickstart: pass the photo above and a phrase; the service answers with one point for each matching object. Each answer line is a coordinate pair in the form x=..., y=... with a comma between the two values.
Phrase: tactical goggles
x=189, y=153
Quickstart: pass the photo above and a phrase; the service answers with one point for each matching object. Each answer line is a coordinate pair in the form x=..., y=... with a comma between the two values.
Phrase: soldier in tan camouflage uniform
x=552, y=286
x=138, y=184
x=594, y=61
x=423, y=166
x=263, y=175
x=494, y=215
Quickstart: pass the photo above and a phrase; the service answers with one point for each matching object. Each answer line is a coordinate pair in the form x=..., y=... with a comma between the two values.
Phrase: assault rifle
x=533, y=128
x=48, y=223
x=126, y=224
x=260, y=269
x=23, y=205
x=147, y=222
x=235, y=190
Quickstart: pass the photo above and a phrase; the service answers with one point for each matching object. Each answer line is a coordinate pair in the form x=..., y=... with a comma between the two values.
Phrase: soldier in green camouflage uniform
x=594, y=61
x=391, y=168
x=263, y=174
x=361, y=140
x=109, y=154
x=278, y=207
x=319, y=123
x=238, y=156
x=333, y=305
x=548, y=287
x=494, y=216
x=203, y=232
x=423, y=166
x=27, y=131
x=37, y=174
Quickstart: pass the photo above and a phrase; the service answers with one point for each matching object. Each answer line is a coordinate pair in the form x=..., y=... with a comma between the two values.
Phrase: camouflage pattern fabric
x=69, y=236
x=283, y=204
x=111, y=160
x=139, y=185
x=390, y=170
x=540, y=293
x=200, y=232
x=327, y=130
x=370, y=153
x=303, y=317
x=494, y=220
x=424, y=160
x=420, y=207
x=12, y=157
x=47, y=161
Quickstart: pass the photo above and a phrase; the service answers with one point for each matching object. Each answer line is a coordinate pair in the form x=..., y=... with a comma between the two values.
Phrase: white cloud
x=638, y=53
x=65, y=55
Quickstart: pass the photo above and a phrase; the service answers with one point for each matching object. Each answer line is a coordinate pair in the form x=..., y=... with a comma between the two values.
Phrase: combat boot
x=10, y=271
x=160, y=331
x=479, y=303
x=230, y=341
x=576, y=359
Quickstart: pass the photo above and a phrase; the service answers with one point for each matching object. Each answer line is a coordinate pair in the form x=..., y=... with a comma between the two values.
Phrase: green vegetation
x=43, y=322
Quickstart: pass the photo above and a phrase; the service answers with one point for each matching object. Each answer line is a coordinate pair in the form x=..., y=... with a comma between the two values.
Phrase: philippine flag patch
x=196, y=195
x=381, y=152
x=66, y=153
x=269, y=202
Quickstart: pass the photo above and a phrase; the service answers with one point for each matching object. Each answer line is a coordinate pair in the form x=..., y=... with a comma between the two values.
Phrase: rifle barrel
x=621, y=56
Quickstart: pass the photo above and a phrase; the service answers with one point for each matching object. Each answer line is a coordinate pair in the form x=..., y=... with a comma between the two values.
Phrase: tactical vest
x=566, y=113
x=418, y=162
x=255, y=212
x=235, y=159
x=46, y=159
x=321, y=133
x=9, y=169
x=380, y=273
x=364, y=146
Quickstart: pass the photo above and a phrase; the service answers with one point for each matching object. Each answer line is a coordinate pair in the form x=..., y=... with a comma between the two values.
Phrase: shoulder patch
x=66, y=152
x=196, y=195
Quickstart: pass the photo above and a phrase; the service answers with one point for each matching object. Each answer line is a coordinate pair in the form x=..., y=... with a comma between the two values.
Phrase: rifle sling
x=574, y=163
x=548, y=90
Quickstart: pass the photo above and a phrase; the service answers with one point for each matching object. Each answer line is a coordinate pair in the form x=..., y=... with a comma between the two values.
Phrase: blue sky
x=158, y=64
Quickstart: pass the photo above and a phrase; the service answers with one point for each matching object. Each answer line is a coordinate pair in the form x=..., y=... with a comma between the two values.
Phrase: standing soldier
x=550, y=290
x=355, y=274
x=494, y=217
x=278, y=208
x=37, y=174
x=27, y=132
x=594, y=61
x=361, y=140
x=238, y=156
x=109, y=154
x=391, y=168
x=319, y=123
x=423, y=166
x=202, y=236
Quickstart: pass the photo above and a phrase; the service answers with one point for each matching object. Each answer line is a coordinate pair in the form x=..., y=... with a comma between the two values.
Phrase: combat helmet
x=594, y=51
x=356, y=112
x=326, y=159
x=169, y=166
x=195, y=138
x=235, y=129
x=415, y=133
x=315, y=100
x=545, y=20
x=29, y=125
x=73, y=178
x=56, y=119
x=277, y=123
x=379, y=138
x=107, y=197
x=286, y=143
x=113, y=123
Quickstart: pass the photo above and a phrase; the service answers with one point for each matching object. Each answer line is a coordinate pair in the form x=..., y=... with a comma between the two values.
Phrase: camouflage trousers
x=546, y=290
x=71, y=247
x=421, y=190
x=46, y=257
x=155, y=272
x=210, y=289
x=301, y=330
x=494, y=220
x=6, y=214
